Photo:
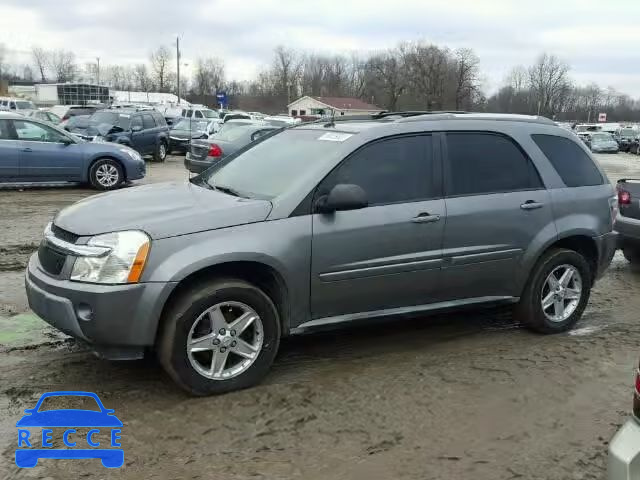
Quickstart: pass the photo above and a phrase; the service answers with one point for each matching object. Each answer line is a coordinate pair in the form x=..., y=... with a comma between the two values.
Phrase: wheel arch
x=260, y=274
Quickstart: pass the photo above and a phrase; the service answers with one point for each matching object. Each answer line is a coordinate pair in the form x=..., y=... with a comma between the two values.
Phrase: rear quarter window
x=571, y=162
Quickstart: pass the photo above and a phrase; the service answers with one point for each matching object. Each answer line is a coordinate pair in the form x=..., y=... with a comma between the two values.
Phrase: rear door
x=150, y=131
x=496, y=205
x=10, y=148
x=44, y=154
x=387, y=255
x=137, y=137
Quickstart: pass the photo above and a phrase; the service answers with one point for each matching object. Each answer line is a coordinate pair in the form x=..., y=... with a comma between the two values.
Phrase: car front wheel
x=557, y=292
x=106, y=174
x=219, y=336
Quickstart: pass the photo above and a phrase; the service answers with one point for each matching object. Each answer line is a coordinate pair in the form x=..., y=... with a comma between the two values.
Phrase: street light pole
x=178, y=66
x=98, y=71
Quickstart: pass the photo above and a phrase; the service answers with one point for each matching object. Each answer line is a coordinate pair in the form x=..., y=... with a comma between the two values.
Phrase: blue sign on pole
x=222, y=98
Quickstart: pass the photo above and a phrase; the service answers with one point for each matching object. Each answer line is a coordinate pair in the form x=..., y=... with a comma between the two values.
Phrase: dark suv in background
x=146, y=131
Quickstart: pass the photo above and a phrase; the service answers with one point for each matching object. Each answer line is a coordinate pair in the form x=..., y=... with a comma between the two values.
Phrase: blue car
x=35, y=151
x=72, y=418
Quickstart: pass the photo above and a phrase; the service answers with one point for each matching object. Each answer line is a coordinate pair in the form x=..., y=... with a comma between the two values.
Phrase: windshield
x=628, y=132
x=230, y=134
x=210, y=114
x=267, y=169
x=24, y=105
x=187, y=124
x=601, y=137
x=278, y=123
x=112, y=118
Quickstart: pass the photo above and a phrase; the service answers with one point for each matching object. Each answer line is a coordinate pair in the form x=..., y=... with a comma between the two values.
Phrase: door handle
x=424, y=217
x=27, y=150
x=531, y=205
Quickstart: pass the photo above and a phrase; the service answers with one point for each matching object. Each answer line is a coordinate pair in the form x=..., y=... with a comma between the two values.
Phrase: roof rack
x=413, y=113
x=501, y=117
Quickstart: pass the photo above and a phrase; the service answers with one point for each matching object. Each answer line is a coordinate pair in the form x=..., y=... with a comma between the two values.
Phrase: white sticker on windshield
x=335, y=137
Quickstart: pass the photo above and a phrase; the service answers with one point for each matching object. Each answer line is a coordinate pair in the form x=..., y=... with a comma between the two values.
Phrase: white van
x=16, y=104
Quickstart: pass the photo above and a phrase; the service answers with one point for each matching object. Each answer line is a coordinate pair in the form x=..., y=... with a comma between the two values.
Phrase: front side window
x=570, y=161
x=389, y=171
x=136, y=122
x=482, y=163
x=198, y=114
x=34, y=132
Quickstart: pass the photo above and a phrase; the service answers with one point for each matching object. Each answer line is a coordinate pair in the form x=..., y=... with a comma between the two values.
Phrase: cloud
x=597, y=39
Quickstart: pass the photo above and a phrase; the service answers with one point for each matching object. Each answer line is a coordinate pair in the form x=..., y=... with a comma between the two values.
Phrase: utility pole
x=178, y=66
x=98, y=70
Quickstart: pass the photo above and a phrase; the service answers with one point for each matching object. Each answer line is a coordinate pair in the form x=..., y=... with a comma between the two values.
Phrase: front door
x=387, y=255
x=496, y=207
x=46, y=154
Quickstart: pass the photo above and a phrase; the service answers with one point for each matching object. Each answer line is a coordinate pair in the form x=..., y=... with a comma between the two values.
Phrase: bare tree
x=466, y=75
x=141, y=77
x=41, y=60
x=208, y=77
x=161, y=66
x=548, y=81
x=286, y=71
x=63, y=65
x=387, y=71
x=517, y=78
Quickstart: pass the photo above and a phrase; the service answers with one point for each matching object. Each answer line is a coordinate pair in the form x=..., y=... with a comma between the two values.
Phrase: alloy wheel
x=561, y=293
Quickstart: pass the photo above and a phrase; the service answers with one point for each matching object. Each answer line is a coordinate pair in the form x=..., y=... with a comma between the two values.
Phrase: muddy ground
x=462, y=396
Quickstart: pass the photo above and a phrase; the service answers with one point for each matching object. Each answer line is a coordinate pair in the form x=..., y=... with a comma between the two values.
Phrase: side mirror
x=67, y=141
x=344, y=196
x=136, y=128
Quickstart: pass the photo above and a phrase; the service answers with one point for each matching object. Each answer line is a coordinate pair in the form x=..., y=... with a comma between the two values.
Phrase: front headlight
x=124, y=262
x=131, y=152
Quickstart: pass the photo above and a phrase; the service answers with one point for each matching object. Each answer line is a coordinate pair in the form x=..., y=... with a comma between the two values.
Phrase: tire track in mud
x=15, y=257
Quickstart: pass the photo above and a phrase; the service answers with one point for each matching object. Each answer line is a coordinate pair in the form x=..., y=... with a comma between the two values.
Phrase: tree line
x=409, y=76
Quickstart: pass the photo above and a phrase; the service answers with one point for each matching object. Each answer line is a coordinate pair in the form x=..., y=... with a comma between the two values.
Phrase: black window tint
x=147, y=121
x=136, y=121
x=390, y=171
x=486, y=163
x=571, y=162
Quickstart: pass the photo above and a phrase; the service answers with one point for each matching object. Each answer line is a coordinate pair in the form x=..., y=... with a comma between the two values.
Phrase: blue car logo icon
x=69, y=419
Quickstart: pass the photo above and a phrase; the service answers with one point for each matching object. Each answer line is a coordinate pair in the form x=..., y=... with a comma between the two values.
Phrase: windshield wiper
x=229, y=191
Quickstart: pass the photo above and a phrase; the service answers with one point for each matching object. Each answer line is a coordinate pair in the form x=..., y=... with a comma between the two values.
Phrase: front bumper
x=117, y=320
x=135, y=170
x=624, y=453
x=181, y=144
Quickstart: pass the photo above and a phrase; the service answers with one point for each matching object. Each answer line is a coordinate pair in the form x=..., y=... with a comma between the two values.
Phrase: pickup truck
x=628, y=219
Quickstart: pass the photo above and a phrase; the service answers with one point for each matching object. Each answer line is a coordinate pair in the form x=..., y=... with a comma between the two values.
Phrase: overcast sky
x=599, y=39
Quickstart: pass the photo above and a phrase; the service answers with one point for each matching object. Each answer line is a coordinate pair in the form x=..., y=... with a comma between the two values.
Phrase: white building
x=149, y=98
x=330, y=106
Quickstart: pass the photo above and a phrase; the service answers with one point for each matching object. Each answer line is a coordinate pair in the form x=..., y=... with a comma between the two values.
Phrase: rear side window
x=481, y=163
x=160, y=121
x=5, y=132
x=390, y=171
x=571, y=162
x=136, y=121
x=147, y=121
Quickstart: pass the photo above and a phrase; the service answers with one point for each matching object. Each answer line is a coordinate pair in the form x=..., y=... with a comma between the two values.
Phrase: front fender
x=283, y=245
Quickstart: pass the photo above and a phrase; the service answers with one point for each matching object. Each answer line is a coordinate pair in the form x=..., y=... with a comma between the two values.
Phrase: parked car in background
x=326, y=223
x=200, y=113
x=601, y=142
x=625, y=137
x=43, y=115
x=624, y=448
x=67, y=111
x=203, y=153
x=186, y=129
x=634, y=146
x=628, y=218
x=237, y=116
x=145, y=131
x=281, y=120
x=35, y=151
x=585, y=137
x=16, y=105
x=77, y=124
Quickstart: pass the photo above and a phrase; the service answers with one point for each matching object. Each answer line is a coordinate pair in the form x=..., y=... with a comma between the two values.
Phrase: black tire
x=632, y=254
x=98, y=178
x=529, y=310
x=160, y=155
x=183, y=313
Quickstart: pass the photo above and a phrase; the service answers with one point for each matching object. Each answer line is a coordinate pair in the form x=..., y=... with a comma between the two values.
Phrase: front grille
x=64, y=234
x=51, y=261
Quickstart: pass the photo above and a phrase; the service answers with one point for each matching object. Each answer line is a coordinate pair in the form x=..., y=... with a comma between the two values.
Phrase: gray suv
x=324, y=224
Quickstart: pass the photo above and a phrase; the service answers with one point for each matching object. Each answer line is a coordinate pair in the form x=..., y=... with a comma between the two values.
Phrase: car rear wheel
x=219, y=336
x=160, y=154
x=557, y=292
x=106, y=174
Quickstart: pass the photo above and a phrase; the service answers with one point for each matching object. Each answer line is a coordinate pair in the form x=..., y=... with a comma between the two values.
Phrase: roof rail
x=501, y=117
x=414, y=113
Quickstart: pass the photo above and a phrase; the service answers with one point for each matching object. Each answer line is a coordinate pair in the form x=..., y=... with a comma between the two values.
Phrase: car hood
x=162, y=210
